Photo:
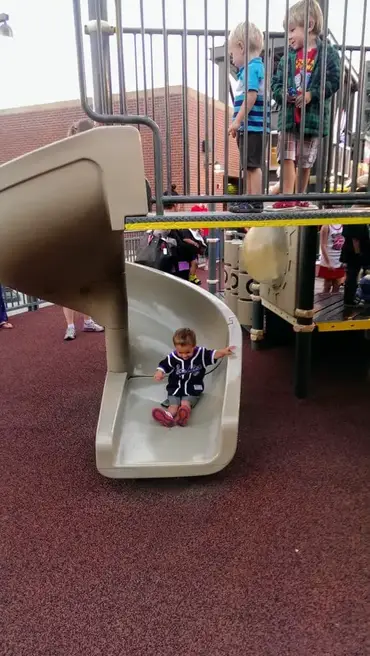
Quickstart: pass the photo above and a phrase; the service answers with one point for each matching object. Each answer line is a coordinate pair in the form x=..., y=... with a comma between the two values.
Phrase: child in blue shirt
x=250, y=100
x=185, y=368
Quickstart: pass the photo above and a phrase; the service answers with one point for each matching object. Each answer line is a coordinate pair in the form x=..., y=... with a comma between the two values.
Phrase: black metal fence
x=152, y=48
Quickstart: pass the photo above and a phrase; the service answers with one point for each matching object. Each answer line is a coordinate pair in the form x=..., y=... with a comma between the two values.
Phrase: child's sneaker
x=306, y=205
x=183, y=416
x=163, y=417
x=284, y=205
x=91, y=327
x=70, y=333
x=289, y=205
x=194, y=279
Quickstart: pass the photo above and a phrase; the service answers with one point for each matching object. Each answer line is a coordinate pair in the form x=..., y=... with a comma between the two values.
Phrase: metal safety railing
x=143, y=51
x=15, y=301
x=185, y=116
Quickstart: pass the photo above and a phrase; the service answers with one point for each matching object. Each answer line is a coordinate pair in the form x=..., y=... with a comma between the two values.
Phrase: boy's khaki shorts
x=292, y=149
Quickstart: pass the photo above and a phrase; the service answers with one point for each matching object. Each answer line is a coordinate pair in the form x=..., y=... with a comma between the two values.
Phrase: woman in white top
x=330, y=267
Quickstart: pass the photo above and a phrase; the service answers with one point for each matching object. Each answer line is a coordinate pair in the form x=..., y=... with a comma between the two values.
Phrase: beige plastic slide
x=62, y=211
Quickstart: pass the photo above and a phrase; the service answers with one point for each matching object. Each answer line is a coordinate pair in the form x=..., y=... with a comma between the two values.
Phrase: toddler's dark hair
x=80, y=126
x=185, y=337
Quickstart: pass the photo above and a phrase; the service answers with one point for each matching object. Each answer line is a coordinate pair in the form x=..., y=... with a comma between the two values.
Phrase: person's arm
x=255, y=77
x=332, y=82
x=223, y=353
x=191, y=241
x=210, y=356
x=278, y=83
x=164, y=368
x=324, y=235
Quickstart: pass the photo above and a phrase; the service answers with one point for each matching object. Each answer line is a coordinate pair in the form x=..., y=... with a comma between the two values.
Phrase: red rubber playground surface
x=268, y=558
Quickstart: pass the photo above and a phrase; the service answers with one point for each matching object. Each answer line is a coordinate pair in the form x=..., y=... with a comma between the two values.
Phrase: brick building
x=25, y=129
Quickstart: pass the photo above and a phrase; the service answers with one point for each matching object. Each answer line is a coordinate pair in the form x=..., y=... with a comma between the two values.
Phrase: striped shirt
x=256, y=75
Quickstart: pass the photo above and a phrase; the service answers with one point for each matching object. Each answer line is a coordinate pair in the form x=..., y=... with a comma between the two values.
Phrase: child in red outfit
x=330, y=266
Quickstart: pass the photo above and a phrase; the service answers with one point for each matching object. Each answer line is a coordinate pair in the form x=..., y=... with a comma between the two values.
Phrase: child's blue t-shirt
x=256, y=78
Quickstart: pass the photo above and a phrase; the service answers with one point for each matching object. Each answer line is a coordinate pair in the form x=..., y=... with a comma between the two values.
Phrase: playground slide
x=62, y=212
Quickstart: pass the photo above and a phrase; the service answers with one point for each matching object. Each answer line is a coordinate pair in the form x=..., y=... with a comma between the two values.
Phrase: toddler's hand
x=307, y=99
x=229, y=350
x=159, y=375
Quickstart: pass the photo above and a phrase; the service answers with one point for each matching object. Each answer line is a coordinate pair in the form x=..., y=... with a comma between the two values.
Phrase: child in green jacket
x=289, y=154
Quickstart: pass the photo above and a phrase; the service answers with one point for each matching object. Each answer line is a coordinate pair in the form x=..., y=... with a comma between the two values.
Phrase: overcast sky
x=39, y=64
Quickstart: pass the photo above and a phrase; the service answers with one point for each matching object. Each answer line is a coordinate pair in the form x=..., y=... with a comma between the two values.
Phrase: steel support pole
x=258, y=318
x=213, y=240
x=99, y=47
x=305, y=309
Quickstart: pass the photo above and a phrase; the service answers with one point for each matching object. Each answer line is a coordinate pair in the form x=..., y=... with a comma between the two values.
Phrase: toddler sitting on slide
x=186, y=368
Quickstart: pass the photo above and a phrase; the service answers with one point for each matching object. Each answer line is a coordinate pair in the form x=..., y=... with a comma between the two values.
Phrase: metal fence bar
x=246, y=87
x=227, y=90
x=167, y=99
x=265, y=160
x=143, y=55
x=272, y=66
x=346, y=129
x=301, y=181
x=206, y=108
x=198, y=116
x=333, y=106
x=109, y=75
x=152, y=76
x=330, y=199
x=213, y=236
x=96, y=47
x=185, y=117
x=120, y=58
x=320, y=153
x=136, y=68
x=226, y=97
x=213, y=122
x=341, y=95
x=284, y=98
x=360, y=99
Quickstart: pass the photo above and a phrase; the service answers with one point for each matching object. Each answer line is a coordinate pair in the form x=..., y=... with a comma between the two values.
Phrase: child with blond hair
x=249, y=99
x=289, y=150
